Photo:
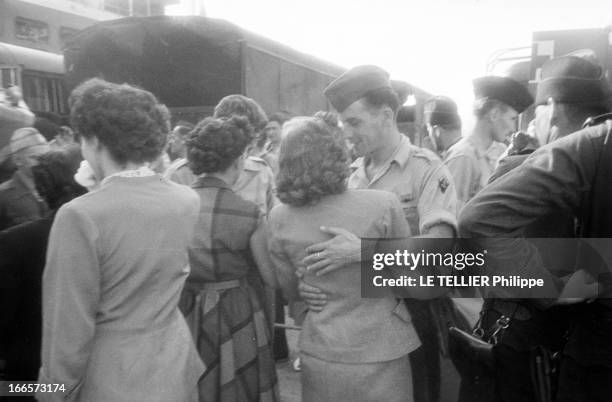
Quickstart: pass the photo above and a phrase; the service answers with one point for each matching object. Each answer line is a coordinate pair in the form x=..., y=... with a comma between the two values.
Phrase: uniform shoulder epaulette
x=426, y=154
x=597, y=120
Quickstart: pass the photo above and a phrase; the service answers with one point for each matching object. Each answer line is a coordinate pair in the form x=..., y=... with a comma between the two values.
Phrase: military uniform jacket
x=422, y=183
x=556, y=178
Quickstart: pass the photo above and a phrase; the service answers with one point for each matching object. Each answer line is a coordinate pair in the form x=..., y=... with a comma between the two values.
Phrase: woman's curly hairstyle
x=214, y=144
x=130, y=122
x=54, y=176
x=240, y=105
x=313, y=162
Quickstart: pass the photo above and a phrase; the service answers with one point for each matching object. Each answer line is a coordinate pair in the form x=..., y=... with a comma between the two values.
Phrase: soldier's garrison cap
x=355, y=84
x=504, y=89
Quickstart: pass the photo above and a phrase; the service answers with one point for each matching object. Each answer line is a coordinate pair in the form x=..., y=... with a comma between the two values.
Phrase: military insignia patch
x=443, y=184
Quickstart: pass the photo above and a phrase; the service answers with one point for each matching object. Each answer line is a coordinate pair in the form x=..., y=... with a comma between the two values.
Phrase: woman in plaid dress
x=225, y=316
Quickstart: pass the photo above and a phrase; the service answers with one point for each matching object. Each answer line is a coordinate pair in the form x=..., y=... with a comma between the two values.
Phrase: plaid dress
x=222, y=310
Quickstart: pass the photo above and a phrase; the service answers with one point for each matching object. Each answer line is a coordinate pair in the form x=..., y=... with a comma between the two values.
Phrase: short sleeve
x=438, y=201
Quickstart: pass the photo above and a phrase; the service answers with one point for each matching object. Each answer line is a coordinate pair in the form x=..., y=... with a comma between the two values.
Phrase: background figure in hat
x=442, y=122
x=499, y=101
x=19, y=200
x=571, y=89
x=367, y=105
x=562, y=182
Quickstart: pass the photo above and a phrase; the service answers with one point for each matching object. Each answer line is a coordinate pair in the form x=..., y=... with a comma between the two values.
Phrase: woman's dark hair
x=54, y=176
x=313, y=162
x=128, y=121
x=214, y=144
x=239, y=105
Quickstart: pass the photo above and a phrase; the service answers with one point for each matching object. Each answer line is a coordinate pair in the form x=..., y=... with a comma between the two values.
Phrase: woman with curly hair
x=117, y=261
x=355, y=349
x=222, y=309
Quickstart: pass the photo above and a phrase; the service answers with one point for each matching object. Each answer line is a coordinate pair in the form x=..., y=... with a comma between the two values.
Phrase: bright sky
x=438, y=45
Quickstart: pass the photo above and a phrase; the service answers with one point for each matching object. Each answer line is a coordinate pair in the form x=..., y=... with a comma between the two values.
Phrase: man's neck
x=481, y=136
x=450, y=140
x=380, y=156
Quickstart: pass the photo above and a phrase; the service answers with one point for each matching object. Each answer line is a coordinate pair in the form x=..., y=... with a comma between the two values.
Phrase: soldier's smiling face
x=364, y=127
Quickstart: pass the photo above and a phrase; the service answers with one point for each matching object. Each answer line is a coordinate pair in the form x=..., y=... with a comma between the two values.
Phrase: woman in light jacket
x=355, y=349
x=117, y=260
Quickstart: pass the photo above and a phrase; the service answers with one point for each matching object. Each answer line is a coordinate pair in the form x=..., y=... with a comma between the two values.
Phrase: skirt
x=232, y=336
x=324, y=381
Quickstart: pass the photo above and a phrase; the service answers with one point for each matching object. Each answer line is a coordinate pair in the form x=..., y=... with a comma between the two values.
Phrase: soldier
x=443, y=123
x=367, y=106
x=499, y=101
x=569, y=176
x=571, y=89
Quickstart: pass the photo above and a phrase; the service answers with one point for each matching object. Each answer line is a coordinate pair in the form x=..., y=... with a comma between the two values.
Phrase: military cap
x=354, y=85
x=440, y=110
x=571, y=79
x=26, y=137
x=503, y=89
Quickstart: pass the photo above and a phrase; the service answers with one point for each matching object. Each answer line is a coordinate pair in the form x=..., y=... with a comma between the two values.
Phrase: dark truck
x=190, y=63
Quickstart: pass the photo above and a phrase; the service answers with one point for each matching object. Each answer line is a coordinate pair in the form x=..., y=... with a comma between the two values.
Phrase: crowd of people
x=144, y=263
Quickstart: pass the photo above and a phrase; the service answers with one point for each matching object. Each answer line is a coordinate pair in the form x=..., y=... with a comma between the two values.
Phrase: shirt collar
x=403, y=152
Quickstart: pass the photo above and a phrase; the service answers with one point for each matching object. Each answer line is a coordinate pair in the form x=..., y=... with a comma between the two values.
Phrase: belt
x=207, y=298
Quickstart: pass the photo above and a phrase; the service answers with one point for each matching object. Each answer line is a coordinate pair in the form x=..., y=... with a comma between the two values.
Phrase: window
x=33, y=31
x=9, y=76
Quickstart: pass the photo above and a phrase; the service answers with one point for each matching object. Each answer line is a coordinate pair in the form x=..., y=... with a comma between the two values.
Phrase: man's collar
x=403, y=151
x=401, y=154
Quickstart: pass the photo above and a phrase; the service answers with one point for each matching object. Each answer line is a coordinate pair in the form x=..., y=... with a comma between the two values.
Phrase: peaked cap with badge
x=354, y=84
x=505, y=90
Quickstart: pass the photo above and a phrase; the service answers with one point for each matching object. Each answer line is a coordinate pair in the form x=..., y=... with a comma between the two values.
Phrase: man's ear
x=494, y=114
x=388, y=115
